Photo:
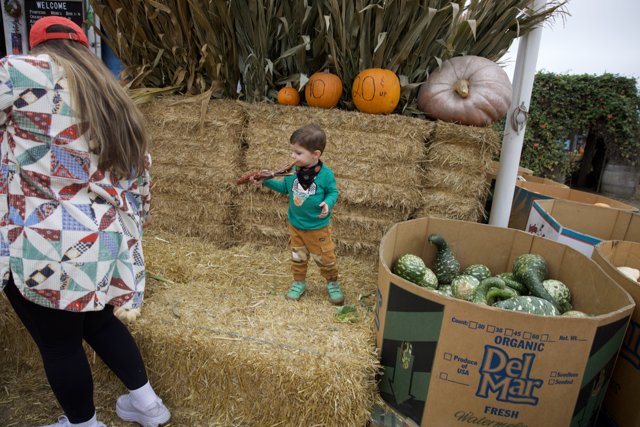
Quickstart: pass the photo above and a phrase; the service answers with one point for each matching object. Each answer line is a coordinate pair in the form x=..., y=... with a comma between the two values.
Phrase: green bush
x=565, y=105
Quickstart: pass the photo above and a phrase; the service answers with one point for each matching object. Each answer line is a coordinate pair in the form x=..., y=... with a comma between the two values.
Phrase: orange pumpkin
x=376, y=91
x=323, y=90
x=288, y=96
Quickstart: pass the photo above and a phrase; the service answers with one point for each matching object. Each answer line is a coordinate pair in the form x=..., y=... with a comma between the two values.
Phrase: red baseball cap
x=39, y=34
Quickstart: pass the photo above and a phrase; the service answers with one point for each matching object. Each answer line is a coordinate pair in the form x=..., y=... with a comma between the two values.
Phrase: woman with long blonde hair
x=74, y=195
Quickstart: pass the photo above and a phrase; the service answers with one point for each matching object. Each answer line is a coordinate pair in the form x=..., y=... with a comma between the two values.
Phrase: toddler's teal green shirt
x=304, y=204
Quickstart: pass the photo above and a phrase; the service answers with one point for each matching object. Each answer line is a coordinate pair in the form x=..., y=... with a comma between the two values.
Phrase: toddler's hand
x=325, y=210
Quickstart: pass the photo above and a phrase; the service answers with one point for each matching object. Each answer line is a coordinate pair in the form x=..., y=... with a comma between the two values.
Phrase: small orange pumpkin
x=288, y=96
x=376, y=91
x=323, y=90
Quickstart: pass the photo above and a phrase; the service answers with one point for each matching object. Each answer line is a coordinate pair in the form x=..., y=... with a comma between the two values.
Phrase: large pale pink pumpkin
x=469, y=90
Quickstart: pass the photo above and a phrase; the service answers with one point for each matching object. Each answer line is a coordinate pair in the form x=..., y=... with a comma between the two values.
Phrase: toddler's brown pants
x=317, y=244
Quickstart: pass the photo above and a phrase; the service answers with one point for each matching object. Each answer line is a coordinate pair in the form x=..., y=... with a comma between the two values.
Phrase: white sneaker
x=151, y=417
x=63, y=421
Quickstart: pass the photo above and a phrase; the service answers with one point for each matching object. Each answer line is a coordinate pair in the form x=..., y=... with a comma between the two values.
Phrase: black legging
x=59, y=334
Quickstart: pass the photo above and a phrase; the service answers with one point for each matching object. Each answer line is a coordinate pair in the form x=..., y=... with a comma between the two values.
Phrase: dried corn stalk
x=249, y=48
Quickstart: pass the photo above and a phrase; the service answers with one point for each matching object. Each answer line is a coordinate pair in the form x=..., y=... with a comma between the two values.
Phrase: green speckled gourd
x=446, y=265
x=575, y=313
x=513, y=283
x=480, y=292
x=479, y=271
x=560, y=294
x=463, y=287
x=444, y=290
x=529, y=304
x=429, y=279
x=410, y=267
x=496, y=294
x=531, y=270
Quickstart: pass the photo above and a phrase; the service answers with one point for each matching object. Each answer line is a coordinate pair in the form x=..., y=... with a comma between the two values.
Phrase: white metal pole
x=523, y=76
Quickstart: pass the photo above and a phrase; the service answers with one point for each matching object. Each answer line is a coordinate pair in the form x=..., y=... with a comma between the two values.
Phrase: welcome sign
x=70, y=9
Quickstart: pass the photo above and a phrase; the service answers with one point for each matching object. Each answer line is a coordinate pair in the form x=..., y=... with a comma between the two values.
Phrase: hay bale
x=254, y=366
x=256, y=357
x=357, y=231
x=378, y=160
x=458, y=157
x=181, y=133
x=444, y=204
x=460, y=182
x=393, y=169
x=388, y=169
x=471, y=141
x=196, y=156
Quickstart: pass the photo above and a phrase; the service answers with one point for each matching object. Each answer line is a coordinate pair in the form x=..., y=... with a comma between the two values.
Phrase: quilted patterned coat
x=70, y=233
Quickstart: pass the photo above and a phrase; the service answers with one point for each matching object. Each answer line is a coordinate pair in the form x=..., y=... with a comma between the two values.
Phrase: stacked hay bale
x=458, y=158
x=254, y=358
x=221, y=342
x=378, y=162
x=388, y=169
x=196, y=154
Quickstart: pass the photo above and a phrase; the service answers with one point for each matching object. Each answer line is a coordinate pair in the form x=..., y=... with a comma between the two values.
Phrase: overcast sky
x=599, y=36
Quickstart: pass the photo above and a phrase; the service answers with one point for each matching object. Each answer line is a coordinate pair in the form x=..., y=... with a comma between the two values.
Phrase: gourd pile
x=527, y=288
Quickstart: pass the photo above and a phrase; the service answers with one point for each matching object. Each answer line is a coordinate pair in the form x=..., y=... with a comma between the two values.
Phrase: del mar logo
x=508, y=379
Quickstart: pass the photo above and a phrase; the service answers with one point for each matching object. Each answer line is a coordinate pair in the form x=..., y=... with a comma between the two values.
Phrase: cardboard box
x=524, y=173
x=624, y=387
x=581, y=225
x=495, y=167
x=448, y=362
x=539, y=180
x=526, y=192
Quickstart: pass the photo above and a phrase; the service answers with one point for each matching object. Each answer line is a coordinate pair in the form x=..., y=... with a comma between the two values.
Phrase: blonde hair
x=116, y=125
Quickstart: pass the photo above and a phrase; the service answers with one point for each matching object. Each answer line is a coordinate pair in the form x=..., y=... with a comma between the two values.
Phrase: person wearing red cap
x=46, y=29
x=74, y=195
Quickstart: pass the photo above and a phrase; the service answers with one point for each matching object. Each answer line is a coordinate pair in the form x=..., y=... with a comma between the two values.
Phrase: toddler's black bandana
x=307, y=175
